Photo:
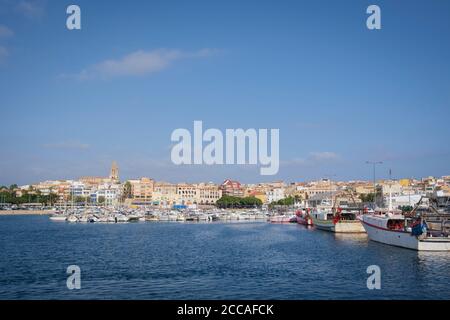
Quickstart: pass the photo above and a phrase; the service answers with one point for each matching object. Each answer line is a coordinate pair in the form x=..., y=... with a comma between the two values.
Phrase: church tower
x=114, y=175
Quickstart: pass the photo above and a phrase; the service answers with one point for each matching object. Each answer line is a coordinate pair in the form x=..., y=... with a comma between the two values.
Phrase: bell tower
x=114, y=175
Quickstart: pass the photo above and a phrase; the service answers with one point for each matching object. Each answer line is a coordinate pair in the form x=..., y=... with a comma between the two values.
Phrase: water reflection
x=352, y=237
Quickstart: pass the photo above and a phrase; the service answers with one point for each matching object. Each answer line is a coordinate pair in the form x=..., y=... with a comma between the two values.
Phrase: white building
x=404, y=200
x=109, y=192
x=275, y=194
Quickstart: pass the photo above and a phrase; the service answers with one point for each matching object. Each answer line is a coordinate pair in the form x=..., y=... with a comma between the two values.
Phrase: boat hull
x=281, y=219
x=405, y=239
x=304, y=221
x=347, y=226
x=58, y=218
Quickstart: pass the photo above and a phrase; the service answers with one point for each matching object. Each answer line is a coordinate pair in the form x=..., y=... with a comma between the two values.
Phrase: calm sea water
x=207, y=261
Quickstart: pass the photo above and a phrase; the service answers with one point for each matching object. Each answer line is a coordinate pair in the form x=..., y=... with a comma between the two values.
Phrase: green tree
x=406, y=209
x=367, y=197
x=237, y=202
x=52, y=198
x=126, y=191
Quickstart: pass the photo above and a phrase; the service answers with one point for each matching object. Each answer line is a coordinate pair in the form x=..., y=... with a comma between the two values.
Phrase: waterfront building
x=363, y=188
x=404, y=200
x=47, y=187
x=208, y=193
x=142, y=190
x=405, y=182
x=187, y=194
x=275, y=194
x=393, y=187
x=111, y=194
x=324, y=186
x=93, y=181
x=446, y=180
x=232, y=188
x=259, y=195
x=77, y=189
x=165, y=194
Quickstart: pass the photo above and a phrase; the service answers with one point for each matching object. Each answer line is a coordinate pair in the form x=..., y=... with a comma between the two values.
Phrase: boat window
x=395, y=224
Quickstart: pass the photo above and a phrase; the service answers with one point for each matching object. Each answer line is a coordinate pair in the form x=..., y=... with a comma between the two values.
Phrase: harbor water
x=242, y=260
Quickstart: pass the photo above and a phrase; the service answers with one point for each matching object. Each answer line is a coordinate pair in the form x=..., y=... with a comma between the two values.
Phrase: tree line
x=26, y=197
x=236, y=202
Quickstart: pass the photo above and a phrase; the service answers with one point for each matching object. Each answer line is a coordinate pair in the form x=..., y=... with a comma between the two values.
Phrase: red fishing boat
x=303, y=217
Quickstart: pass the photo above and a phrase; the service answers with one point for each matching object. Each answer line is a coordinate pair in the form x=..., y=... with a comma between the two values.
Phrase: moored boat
x=339, y=220
x=303, y=217
x=283, y=219
x=396, y=230
x=58, y=217
x=72, y=218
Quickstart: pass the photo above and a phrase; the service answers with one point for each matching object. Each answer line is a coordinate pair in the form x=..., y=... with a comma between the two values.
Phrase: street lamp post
x=329, y=176
x=374, y=163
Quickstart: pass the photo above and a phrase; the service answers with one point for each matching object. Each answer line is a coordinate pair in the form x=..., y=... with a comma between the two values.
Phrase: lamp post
x=329, y=176
x=374, y=163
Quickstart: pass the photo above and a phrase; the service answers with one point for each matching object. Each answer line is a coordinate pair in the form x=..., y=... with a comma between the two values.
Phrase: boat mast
x=390, y=190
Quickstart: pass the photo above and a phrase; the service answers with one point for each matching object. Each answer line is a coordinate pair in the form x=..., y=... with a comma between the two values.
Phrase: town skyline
x=115, y=169
x=339, y=94
x=110, y=190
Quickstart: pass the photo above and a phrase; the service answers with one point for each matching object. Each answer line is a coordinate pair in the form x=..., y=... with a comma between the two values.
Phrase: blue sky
x=73, y=101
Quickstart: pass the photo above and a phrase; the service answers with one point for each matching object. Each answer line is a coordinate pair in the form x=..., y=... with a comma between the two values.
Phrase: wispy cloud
x=5, y=32
x=139, y=63
x=67, y=145
x=323, y=156
x=31, y=8
x=313, y=158
x=3, y=53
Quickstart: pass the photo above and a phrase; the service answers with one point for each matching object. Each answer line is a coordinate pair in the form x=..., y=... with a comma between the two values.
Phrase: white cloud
x=67, y=145
x=5, y=32
x=139, y=63
x=31, y=8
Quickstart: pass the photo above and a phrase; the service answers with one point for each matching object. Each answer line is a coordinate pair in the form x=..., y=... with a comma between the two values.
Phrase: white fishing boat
x=164, y=217
x=121, y=218
x=341, y=220
x=72, y=218
x=151, y=217
x=202, y=217
x=58, y=217
x=133, y=218
x=396, y=230
x=102, y=219
x=393, y=228
x=244, y=216
x=83, y=218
